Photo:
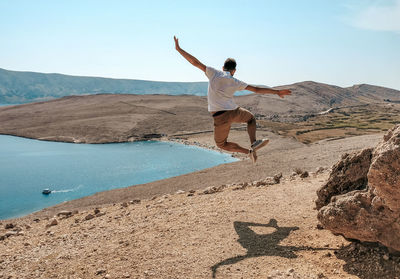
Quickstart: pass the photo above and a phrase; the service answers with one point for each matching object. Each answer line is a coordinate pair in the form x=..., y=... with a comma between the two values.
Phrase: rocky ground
x=264, y=229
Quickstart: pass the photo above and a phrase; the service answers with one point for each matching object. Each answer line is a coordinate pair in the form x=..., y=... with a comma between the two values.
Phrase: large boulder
x=349, y=174
x=361, y=199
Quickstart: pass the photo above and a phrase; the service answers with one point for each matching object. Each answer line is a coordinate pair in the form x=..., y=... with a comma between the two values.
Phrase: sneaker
x=253, y=156
x=259, y=144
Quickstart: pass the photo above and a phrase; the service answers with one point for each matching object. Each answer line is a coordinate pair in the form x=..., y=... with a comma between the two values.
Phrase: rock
x=319, y=170
x=269, y=180
x=17, y=229
x=89, y=216
x=9, y=226
x=65, y=213
x=124, y=204
x=304, y=174
x=277, y=178
x=261, y=183
x=214, y=189
x=298, y=171
x=384, y=174
x=10, y=233
x=96, y=211
x=134, y=201
x=100, y=271
x=37, y=220
x=180, y=192
x=2, y=237
x=320, y=227
x=385, y=257
x=210, y=190
x=361, y=199
x=349, y=174
x=53, y=222
x=107, y=276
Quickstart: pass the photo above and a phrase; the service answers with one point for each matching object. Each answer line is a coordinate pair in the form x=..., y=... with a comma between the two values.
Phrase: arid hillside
x=310, y=98
x=106, y=118
x=308, y=115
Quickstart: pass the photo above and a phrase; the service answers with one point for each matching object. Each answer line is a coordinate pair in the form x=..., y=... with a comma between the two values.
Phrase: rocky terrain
x=257, y=229
x=361, y=199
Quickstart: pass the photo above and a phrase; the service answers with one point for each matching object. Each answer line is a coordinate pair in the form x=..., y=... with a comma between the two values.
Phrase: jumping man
x=222, y=86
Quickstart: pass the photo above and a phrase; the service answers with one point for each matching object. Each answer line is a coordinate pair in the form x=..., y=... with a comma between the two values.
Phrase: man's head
x=230, y=66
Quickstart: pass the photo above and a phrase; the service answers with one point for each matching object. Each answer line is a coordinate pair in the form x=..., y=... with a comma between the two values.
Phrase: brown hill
x=106, y=118
x=310, y=97
x=124, y=117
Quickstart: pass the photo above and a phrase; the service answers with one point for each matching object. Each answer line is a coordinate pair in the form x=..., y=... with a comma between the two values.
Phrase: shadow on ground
x=369, y=261
x=259, y=245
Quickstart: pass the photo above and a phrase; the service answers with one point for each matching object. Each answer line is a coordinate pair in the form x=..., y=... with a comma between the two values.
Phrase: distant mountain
x=308, y=96
x=23, y=87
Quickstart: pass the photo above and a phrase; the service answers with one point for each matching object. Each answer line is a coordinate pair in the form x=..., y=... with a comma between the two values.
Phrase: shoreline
x=164, y=139
x=290, y=154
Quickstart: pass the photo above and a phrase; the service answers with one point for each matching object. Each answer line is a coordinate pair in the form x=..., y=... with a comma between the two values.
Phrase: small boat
x=46, y=191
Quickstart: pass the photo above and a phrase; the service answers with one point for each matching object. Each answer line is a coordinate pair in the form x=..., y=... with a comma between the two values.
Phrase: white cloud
x=379, y=17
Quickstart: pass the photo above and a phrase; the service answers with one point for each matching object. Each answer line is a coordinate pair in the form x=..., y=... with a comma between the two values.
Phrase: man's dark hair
x=230, y=64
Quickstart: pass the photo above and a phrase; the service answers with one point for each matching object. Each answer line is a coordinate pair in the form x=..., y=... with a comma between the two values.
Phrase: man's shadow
x=258, y=245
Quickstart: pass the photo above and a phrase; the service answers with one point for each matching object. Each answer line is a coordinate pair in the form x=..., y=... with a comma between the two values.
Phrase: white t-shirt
x=221, y=88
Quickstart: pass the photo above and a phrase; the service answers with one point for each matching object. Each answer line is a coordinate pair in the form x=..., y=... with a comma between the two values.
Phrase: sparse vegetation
x=343, y=122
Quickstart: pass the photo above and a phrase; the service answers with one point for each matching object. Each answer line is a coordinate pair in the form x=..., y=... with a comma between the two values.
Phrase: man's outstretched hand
x=283, y=93
x=190, y=58
x=177, y=47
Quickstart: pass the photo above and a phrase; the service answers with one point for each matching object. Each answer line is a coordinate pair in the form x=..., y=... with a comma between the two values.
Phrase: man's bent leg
x=245, y=116
x=222, y=127
x=232, y=147
x=251, y=129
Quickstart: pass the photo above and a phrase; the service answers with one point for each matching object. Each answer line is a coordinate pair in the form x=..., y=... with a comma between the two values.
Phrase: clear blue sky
x=275, y=42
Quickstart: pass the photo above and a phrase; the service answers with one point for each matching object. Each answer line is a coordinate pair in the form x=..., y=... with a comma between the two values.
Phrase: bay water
x=73, y=171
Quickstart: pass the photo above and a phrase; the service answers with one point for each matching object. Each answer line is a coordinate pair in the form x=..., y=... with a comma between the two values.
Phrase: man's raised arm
x=262, y=90
x=193, y=60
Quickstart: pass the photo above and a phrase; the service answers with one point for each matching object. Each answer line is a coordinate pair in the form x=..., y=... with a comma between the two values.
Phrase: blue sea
x=73, y=171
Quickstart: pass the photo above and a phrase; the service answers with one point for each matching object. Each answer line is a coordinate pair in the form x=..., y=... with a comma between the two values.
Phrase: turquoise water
x=76, y=170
